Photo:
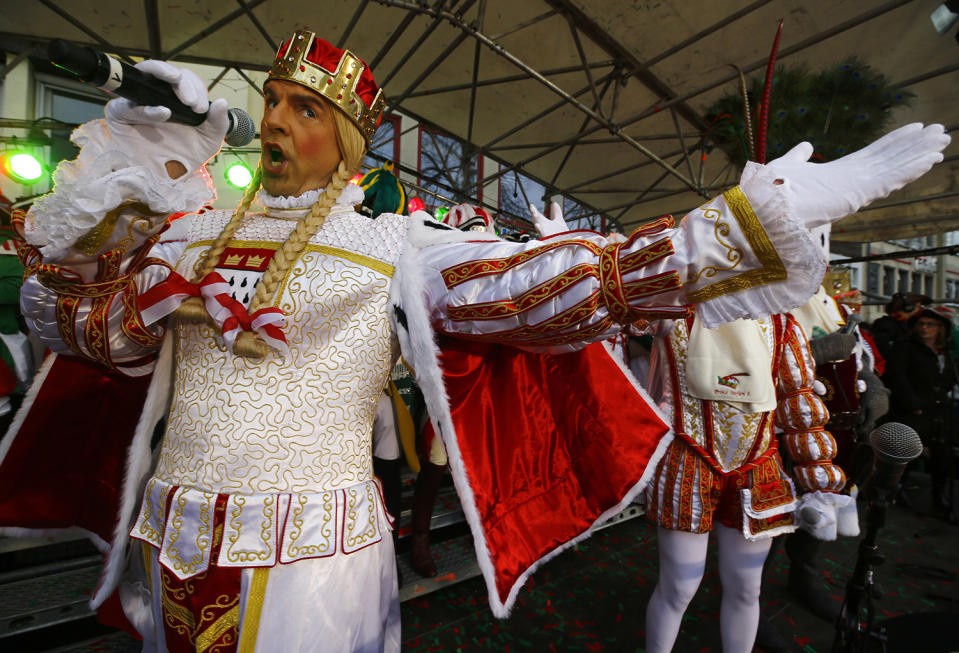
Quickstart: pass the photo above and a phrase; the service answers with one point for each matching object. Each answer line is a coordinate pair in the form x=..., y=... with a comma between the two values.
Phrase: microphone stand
x=856, y=631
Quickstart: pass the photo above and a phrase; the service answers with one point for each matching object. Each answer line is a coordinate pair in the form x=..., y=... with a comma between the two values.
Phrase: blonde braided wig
x=352, y=148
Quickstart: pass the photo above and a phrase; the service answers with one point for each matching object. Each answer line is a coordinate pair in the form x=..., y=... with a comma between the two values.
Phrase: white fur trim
x=420, y=350
x=28, y=400
x=16, y=531
x=139, y=463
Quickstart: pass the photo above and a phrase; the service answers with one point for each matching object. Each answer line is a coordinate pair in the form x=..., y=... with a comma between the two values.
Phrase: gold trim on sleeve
x=772, y=266
x=463, y=272
x=94, y=240
x=528, y=300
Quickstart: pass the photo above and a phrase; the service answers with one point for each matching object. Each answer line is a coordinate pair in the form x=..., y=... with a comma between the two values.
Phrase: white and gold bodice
x=719, y=427
x=296, y=424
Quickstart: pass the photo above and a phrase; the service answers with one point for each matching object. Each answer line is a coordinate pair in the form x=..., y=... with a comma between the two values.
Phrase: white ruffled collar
x=296, y=206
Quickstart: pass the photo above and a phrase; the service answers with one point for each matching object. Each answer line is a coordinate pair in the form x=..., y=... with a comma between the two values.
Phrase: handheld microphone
x=114, y=76
x=895, y=445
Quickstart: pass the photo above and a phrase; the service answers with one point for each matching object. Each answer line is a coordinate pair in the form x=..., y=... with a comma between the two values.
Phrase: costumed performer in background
x=725, y=390
x=266, y=456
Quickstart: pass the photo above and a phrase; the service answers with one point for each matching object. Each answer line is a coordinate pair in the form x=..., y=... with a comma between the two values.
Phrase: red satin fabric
x=66, y=466
x=549, y=443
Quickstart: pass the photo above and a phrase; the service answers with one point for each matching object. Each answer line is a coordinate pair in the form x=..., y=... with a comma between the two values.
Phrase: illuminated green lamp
x=23, y=167
x=239, y=175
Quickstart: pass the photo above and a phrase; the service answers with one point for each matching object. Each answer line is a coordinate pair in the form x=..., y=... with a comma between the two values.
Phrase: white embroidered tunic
x=294, y=463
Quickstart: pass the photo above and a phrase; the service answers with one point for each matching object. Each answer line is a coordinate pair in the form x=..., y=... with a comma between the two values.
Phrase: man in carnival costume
x=724, y=390
x=260, y=524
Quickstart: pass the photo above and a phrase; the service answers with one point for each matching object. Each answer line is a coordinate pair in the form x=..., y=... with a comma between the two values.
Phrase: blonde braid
x=352, y=148
x=247, y=344
x=193, y=311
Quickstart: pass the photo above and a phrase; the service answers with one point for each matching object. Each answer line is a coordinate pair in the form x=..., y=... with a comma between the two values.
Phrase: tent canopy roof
x=601, y=100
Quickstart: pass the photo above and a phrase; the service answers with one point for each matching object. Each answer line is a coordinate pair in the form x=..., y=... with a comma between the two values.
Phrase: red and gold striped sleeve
x=802, y=415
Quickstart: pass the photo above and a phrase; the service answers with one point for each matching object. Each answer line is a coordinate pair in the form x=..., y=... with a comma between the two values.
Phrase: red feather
x=767, y=90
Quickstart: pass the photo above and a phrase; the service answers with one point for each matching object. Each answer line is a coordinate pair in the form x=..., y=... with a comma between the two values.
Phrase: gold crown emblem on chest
x=337, y=86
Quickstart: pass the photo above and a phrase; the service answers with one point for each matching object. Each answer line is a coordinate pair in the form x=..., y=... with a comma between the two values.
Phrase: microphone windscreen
x=241, y=129
x=896, y=443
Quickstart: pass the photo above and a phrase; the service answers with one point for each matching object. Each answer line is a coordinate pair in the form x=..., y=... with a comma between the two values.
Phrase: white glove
x=824, y=192
x=146, y=134
x=816, y=514
x=549, y=226
x=824, y=515
x=847, y=516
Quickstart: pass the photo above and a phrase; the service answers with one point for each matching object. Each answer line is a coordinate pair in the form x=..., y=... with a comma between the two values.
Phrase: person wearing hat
x=889, y=328
x=920, y=375
x=267, y=334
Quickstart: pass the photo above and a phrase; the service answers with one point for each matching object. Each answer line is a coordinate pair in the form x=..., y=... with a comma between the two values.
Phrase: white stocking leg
x=740, y=571
x=682, y=559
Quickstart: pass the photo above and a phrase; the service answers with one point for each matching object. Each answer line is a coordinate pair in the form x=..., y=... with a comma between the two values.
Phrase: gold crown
x=339, y=86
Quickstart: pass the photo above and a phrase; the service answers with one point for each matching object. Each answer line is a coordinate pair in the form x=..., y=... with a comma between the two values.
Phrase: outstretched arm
x=745, y=254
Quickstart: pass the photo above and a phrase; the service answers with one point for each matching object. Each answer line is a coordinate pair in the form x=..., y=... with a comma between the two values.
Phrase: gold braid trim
x=611, y=285
x=772, y=266
x=463, y=272
x=643, y=257
x=528, y=300
x=60, y=281
x=650, y=286
x=658, y=225
x=66, y=312
x=100, y=233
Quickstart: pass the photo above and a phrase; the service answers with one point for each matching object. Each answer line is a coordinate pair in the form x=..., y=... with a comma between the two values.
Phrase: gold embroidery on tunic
x=312, y=431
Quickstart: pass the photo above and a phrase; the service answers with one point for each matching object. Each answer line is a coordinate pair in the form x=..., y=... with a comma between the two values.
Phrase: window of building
x=872, y=278
x=69, y=102
x=385, y=145
x=448, y=170
x=517, y=192
x=888, y=280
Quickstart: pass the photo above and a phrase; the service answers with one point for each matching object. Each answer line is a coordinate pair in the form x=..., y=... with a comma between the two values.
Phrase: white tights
x=682, y=560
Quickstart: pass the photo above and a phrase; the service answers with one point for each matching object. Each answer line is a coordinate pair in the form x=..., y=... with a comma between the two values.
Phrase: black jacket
x=916, y=382
x=885, y=332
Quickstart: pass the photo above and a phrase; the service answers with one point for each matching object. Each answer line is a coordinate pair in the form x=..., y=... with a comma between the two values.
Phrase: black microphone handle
x=885, y=476
x=121, y=79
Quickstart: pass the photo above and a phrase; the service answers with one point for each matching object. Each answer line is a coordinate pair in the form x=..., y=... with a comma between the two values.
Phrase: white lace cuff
x=793, y=244
x=99, y=180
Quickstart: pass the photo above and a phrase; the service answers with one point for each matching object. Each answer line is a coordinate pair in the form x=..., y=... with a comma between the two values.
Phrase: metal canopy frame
x=606, y=64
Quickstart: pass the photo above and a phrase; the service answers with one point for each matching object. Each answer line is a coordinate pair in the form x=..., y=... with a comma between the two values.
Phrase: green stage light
x=239, y=175
x=23, y=167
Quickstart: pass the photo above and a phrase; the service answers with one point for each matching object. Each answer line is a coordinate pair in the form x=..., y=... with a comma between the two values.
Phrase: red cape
x=550, y=444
